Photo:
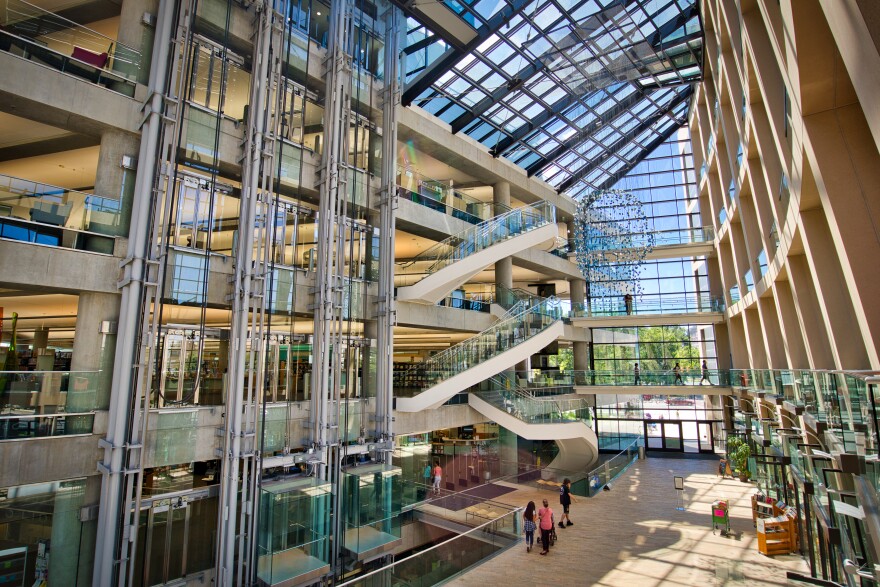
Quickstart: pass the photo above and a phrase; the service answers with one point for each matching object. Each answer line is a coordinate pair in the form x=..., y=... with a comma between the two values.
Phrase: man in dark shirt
x=565, y=498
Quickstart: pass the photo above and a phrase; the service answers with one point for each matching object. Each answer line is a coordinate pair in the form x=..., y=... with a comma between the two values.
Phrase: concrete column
x=45, y=360
x=508, y=451
x=41, y=339
x=504, y=267
x=66, y=534
x=790, y=323
x=581, y=355
x=577, y=292
x=134, y=33
x=115, y=182
x=93, y=350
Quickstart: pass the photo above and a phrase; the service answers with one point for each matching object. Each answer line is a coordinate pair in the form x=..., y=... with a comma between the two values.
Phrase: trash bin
x=641, y=453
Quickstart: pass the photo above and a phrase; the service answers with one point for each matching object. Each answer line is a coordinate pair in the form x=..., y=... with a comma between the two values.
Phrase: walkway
x=633, y=535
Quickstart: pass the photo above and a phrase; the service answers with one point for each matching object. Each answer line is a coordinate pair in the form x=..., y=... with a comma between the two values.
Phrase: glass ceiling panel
x=574, y=91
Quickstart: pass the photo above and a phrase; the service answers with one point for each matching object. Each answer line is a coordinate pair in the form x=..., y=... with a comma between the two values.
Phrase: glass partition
x=50, y=39
x=35, y=404
x=293, y=529
x=646, y=304
x=441, y=196
x=51, y=215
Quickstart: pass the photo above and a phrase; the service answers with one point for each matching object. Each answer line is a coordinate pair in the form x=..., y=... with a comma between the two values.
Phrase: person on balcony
x=705, y=374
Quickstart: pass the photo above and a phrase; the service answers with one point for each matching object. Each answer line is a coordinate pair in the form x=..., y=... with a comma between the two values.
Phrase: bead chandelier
x=611, y=241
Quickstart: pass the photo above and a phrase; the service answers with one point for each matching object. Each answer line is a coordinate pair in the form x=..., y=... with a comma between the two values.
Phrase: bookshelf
x=777, y=534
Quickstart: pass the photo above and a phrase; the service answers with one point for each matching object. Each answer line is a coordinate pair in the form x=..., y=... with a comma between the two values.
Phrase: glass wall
x=654, y=348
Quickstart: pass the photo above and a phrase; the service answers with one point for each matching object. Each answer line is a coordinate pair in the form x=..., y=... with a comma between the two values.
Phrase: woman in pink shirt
x=545, y=515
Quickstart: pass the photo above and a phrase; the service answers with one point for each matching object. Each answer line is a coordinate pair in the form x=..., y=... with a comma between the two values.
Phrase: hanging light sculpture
x=611, y=242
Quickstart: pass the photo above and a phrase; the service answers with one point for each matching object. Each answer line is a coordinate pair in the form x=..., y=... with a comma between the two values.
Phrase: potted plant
x=738, y=452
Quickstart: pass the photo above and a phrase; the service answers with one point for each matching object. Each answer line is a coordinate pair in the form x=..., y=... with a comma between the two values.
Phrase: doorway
x=687, y=436
x=175, y=537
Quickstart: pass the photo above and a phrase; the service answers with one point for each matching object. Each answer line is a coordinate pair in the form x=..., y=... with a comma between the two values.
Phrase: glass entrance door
x=654, y=434
x=672, y=436
x=704, y=430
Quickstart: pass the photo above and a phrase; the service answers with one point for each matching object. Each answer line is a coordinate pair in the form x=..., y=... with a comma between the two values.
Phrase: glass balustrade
x=589, y=483
x=679, y=236
x=533, y=409
x=449, y=558
x=49, y=403
x=49, y=39
x=507, y=297
x=469, y=353
x=50, y=215
x=440, y=196
x=473, y=240
x=647, y=305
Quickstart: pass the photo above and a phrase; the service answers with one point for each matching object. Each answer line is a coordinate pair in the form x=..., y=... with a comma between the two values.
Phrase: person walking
x=705, y=374
x=438, y=475
x=637, y=380
x=628, y=304
x=427, y=473
x=529, y=525
x=545, y=515
x=565, y=498
x=677, y=372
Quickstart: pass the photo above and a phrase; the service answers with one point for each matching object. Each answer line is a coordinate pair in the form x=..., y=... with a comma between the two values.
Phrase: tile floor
x=634, y=535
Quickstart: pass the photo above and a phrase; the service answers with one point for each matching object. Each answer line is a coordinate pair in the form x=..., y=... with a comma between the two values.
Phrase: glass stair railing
x=477, y=350
x=473, y=240
x=532, y=409
x=507, y=297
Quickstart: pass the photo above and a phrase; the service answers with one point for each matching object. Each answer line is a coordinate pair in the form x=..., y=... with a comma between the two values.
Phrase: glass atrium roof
x=574, y=91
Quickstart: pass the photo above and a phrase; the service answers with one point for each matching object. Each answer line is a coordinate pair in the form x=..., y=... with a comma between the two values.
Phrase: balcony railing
x=55, y=216
x=449, y=558
x=48, y=403
x=645, y=305
x=677, y=236
x=49, y=39
x=439, y=196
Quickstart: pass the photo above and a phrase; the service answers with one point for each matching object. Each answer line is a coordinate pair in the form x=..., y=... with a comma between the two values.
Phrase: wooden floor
x=634, y=535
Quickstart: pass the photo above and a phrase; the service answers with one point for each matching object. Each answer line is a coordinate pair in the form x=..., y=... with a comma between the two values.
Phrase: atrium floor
x=634, y=535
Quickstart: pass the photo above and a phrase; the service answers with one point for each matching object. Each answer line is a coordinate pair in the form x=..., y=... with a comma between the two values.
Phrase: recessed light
x=318, y=13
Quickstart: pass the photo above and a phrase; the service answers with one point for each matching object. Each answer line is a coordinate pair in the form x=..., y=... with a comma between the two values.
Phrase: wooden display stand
x=761, y=509
x=778, y=534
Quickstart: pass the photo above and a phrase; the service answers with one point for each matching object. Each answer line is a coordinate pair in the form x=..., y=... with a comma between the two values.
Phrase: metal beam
x=586, y=132
x=617, y=145
x=454, y=54
x=408, y=9
x=523, y=75
x=532, y=124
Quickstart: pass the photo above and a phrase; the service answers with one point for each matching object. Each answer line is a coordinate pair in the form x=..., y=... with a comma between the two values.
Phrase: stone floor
x=635, y=535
